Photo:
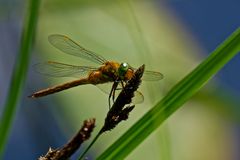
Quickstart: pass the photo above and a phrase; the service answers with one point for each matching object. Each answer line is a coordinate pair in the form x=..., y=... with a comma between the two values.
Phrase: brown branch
x=68, y=149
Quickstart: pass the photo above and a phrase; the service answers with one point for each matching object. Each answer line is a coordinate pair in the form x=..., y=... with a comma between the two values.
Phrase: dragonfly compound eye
x=123, y=69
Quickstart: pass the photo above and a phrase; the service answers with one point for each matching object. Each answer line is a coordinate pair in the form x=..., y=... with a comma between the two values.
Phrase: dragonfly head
x=123, y=69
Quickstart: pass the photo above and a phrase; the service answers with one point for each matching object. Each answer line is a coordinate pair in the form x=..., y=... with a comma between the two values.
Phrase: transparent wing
x=138, y=98
x=57, y=69
x=68, y=46
x=152, y=76
x=106, y=88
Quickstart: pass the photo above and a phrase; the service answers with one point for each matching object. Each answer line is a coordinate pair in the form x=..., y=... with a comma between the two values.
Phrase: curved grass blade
x=175, y=98
x=19, y=73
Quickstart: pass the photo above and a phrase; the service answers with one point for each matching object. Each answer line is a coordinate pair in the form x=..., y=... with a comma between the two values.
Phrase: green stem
x=90, y=145
x=19, y=73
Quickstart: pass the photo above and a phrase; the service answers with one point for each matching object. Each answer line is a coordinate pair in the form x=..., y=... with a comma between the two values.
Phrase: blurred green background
x=155, y=33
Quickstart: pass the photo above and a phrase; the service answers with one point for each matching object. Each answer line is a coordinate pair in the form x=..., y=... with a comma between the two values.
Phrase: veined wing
x=152, y=76
x=68, y=46
x=138, y=98
x=57, y=69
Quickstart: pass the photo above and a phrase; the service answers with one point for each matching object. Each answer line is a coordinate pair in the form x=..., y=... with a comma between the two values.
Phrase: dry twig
x=68, y=149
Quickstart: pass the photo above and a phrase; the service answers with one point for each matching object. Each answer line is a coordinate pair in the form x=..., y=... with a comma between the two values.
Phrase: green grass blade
x=19, y=72
x=175, y=98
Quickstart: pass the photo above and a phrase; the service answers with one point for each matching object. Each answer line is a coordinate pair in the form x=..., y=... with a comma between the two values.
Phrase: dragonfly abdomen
x=59, y=88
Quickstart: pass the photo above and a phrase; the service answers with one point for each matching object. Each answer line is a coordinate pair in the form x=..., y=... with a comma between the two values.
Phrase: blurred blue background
x=211, y=22
x=202, y=25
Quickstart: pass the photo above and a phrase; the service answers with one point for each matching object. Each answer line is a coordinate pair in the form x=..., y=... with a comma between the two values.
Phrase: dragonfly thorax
x=116, y=71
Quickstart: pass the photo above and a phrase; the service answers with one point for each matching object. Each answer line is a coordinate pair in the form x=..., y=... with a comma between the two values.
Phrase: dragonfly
x=118, y=74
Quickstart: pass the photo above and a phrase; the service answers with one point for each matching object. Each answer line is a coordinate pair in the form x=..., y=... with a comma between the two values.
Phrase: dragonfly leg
x=109, y=99
x=112, y=93
x=115, y=88
x=123, y=86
